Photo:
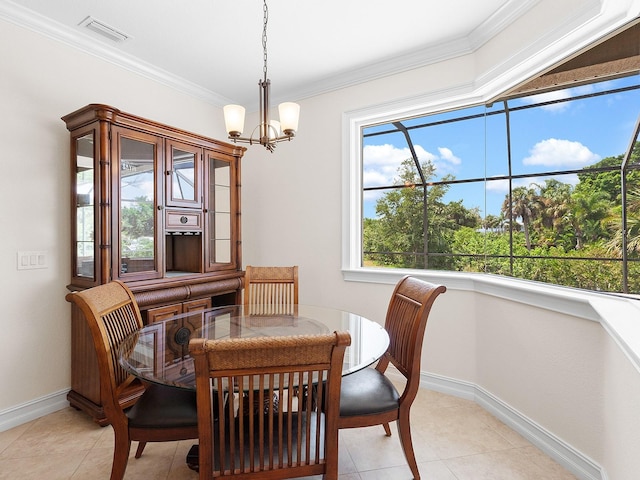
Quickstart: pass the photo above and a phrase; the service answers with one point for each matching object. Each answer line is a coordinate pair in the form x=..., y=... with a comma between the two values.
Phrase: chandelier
x=268, y=132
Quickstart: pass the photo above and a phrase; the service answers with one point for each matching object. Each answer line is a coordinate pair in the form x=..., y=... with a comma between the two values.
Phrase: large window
x=541, y=187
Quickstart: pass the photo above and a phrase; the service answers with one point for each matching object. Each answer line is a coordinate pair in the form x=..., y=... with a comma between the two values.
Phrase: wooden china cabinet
x=157, y=208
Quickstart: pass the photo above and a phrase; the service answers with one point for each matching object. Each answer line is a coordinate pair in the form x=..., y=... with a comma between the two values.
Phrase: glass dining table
x=159, y=352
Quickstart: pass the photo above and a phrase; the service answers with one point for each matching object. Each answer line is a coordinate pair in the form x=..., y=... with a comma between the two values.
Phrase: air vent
x=103, y=29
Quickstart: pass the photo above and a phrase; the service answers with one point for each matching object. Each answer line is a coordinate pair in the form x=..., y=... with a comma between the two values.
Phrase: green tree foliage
x=560, y=233
x=397, y=235
x=137, y=228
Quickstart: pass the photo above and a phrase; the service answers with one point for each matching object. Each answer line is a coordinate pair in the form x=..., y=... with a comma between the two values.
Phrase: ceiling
x=213, y=48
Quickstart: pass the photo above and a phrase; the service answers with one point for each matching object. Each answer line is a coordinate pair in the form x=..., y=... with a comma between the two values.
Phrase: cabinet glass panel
x=183, y=175
x=85, y=214
x=137, y=200
x=219, y=211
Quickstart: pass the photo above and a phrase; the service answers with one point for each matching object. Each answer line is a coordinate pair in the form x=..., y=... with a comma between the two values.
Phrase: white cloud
x=499, y=186
x=550, y=97
x=559, y=95
x=447, y=155
x=502, y=186
x=555, y=152
x=381, y=162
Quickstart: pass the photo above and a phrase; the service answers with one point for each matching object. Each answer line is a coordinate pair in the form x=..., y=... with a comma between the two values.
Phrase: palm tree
x=633, y=226
x=525, y=204
x=589, y=209
x=555, y=198
x=493, y=223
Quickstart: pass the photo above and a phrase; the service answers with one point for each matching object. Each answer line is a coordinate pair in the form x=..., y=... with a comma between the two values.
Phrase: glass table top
x=159, y=352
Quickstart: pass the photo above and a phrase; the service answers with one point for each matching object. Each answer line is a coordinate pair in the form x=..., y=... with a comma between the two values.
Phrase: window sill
x=618, y=315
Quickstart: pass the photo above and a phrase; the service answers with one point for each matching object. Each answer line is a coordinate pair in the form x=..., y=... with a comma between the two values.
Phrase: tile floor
x=454, y=439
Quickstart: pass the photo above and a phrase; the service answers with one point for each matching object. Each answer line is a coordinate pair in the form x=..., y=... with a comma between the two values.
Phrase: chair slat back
x=268, y=404
x=406, y=322
x=117, y=325
x=111, y=314
x=271, y=290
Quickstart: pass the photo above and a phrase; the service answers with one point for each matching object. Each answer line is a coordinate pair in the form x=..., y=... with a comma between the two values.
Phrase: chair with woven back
x=161, y=413
x=270, y=290
x=368, y=397
x=248, y=428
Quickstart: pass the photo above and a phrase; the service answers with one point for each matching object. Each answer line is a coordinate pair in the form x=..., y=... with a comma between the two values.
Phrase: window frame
x=354, y=124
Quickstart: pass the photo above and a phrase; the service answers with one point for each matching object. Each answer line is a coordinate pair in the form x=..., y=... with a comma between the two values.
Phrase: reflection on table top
x=159, y=352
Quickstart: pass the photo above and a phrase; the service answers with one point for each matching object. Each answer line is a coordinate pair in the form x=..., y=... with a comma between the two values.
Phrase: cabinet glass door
x=137, y=193
x=85, y=254
x=220, y=219
x=183, y=175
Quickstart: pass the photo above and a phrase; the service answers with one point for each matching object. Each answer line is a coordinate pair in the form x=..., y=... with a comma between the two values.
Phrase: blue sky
x=556, y=137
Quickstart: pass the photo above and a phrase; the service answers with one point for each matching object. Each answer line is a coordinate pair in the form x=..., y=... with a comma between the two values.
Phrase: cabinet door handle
x=159, y=207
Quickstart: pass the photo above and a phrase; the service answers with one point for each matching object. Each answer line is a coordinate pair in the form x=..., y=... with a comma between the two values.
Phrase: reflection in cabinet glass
x=135, y=159
x=137, y=206
x=221, y=203
x=84, y=211
x=183, y=175
x=182, y=183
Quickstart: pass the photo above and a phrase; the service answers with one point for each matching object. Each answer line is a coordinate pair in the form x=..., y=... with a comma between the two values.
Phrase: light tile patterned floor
x=454, y=439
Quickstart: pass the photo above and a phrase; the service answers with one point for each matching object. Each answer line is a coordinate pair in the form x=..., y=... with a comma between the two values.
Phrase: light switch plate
x=29, y=260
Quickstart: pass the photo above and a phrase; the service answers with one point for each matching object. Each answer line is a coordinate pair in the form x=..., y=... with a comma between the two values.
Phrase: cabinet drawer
x=182, y=221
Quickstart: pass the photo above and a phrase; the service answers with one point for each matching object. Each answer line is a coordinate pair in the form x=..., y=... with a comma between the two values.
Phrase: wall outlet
x=30, y=260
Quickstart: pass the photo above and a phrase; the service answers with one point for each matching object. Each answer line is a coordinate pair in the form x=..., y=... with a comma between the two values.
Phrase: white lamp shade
x=289, y=115
x=234, y=119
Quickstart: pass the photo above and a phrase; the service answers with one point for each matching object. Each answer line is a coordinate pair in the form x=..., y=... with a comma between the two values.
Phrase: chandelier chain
x=267, y=133
x=264, y=38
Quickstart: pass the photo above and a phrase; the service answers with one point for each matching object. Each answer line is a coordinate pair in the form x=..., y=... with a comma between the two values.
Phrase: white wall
x=547, y=365
x=620, y=441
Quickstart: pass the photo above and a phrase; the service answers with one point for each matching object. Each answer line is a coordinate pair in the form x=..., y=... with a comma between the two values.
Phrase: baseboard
x=15, y=416
x=577, y=463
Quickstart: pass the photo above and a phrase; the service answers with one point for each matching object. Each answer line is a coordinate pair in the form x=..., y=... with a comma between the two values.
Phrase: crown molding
x=418, y=58
x=537, y=55
x=30, y=20
x=401, y=63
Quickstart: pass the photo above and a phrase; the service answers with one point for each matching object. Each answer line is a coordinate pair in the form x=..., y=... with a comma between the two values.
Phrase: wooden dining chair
x=248, y=428
x=161, y=414
x=270, y=290
x=367, y=396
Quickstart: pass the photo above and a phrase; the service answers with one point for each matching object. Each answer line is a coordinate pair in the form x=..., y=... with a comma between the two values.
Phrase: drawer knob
x=183, y=219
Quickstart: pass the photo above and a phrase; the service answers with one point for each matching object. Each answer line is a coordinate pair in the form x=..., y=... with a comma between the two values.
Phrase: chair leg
x=140, y=448
x=387, y=430
x=404, y=432
x=120, y=454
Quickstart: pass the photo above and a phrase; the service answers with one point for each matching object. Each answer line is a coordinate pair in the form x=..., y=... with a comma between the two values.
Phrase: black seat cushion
x=164, y=407
x=365, y=392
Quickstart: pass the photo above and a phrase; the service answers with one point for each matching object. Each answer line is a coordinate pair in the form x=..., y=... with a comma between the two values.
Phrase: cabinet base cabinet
x=96, y=411
x=160, y=313
x=85, y=379
x=155, y=305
